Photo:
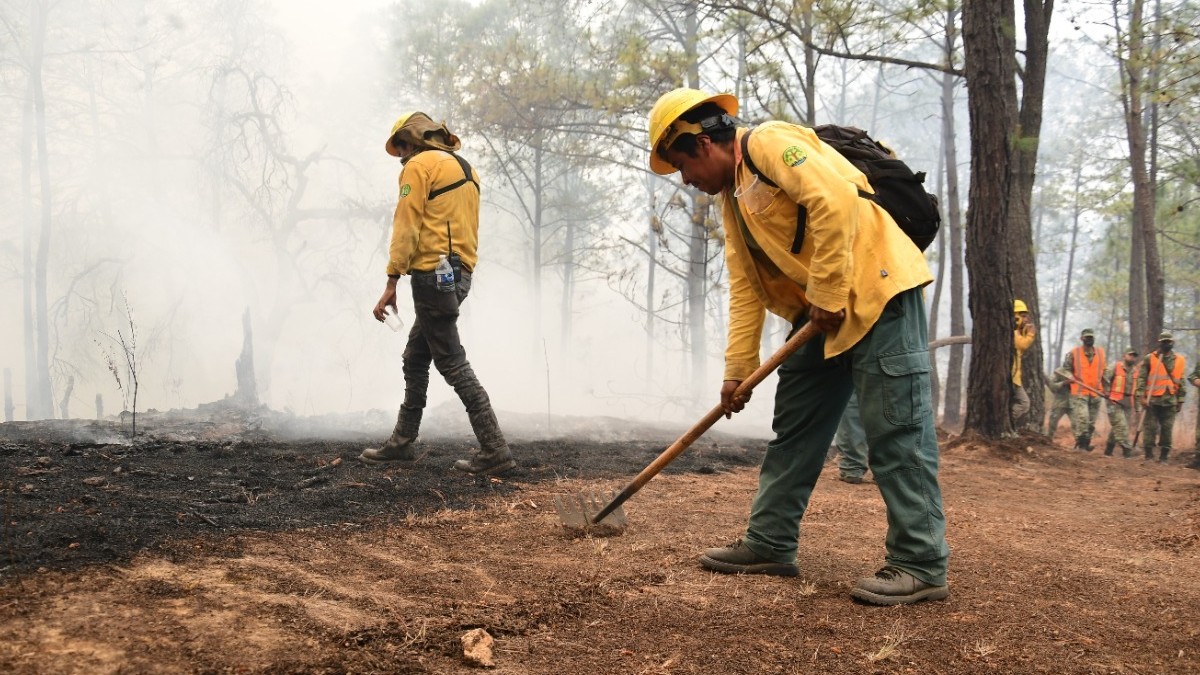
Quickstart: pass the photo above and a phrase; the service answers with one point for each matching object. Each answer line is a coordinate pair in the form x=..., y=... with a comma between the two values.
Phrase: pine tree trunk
x=1022, y=260
x=989, y=39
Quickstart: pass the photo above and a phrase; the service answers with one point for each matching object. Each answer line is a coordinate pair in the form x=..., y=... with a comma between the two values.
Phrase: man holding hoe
x=814, y=248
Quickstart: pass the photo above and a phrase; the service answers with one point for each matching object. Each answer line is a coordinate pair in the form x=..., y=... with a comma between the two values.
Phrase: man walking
x=1194, y=378
x=437, y=216
x=1160, y=388
x=1119, y=382
x=814, y=247
x=1086, y=364
x=1060, y=389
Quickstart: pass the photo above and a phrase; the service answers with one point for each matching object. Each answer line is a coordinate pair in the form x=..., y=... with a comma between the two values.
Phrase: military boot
x=397, y=449
x=1108, y=448
x=1149, y=452
x=493, y=462
x=1127, y=451
x=1162, y=455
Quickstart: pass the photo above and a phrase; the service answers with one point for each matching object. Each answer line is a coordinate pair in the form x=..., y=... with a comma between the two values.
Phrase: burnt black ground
x=75, y=493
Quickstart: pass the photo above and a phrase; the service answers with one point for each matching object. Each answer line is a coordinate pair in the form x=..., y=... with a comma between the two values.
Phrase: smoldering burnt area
x=75, y=493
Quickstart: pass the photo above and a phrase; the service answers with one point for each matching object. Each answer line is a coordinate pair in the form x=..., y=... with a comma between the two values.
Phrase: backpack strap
x=801, y=210
x=457, y=184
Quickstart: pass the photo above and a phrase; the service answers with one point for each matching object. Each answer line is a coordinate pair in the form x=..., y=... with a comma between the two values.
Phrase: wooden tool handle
x=806, y=333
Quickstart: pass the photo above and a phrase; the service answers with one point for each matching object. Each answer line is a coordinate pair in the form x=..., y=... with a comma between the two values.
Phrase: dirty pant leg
x=1060, y=410
x=417, y=358
x=1166, y=427
x=1151, y=425
x=892, y=373
x=1083, y=417
x=1118, y=418
x=809, y=400
x=439, y=311
x=851, y=441
x=1020, y=405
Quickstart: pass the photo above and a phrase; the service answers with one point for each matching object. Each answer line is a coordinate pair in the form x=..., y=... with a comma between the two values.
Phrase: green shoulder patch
x=404, y=190
x=794, y=155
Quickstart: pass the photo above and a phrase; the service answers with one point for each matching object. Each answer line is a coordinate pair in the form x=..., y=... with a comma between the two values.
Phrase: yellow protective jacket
x=853, y=255
x=419, y=227
x=1022, y=341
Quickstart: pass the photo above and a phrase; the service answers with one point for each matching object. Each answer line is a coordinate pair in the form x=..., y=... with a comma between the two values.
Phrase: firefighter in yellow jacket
x=850, y=270
x=1160, y=387
x=437, y=214
x=1024, y=333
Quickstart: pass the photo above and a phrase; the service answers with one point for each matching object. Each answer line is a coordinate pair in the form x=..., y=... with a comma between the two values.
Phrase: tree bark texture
x=1022, y=258
x=988, y=36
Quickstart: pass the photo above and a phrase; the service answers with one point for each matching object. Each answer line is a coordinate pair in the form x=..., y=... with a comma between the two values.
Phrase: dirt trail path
x=1062, y=563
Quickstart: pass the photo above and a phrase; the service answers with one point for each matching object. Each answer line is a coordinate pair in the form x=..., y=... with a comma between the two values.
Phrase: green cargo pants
x=1118, y=419
x=1084, y=411
x=851, y=442
x=889, y=368
x=1157, y=429
x=1060, y=409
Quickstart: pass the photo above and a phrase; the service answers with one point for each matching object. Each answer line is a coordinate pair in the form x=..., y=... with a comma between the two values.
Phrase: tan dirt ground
x=1062, y=563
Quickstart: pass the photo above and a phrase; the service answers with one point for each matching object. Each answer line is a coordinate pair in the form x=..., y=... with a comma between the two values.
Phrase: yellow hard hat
x=400, y=122
x=668, y=108
x=1019, y=306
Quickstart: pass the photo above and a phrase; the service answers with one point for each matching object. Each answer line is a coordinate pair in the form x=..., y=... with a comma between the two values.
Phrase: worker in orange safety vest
x=1160, y=388
x=1086, y=364
x=1119, y=381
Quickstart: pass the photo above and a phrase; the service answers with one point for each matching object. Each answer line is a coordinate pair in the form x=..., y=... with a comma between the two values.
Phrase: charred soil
x=246, y=552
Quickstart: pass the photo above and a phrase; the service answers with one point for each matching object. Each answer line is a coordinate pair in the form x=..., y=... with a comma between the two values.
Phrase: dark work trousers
x=434, y=339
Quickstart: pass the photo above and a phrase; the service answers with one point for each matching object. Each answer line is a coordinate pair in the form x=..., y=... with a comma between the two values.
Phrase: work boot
x=1162, y=455
x=1126, y=451
x=491, y=462
x=1149, y=453
x=397, y=449
x=1108, y=448
x=850, y=478
x=894, y=586
x=737, y=558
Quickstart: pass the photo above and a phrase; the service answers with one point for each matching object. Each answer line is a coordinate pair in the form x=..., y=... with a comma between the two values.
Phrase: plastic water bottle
x=444, y=275
x=393, y=320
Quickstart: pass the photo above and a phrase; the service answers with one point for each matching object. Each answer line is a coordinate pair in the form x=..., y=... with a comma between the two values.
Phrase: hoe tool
x=575, y=511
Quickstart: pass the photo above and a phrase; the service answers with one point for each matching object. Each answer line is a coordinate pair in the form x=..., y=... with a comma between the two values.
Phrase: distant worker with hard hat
x=850, y=270
x=1160, y=387
x=1024, y=333
x=436, y=219
x=1085, y=364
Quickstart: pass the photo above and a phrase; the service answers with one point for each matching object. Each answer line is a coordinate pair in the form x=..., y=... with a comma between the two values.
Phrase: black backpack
x=897, y=189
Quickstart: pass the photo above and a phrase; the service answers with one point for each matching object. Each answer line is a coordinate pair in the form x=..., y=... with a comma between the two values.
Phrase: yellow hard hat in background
x=1019, y=306
x=391, y=149
x=669, y=107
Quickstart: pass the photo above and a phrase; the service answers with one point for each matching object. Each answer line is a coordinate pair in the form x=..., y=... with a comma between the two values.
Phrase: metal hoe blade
x=577, y=511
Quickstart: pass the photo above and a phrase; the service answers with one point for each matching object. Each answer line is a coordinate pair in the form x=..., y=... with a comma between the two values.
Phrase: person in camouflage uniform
x=1160, y=388
x=1060, y=390
x=1194, y=378
x=1119, y=381
x=1086, y=364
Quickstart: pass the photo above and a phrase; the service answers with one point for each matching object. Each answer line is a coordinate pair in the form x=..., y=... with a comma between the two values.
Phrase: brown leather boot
x=492, y=462
x=397, y=449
